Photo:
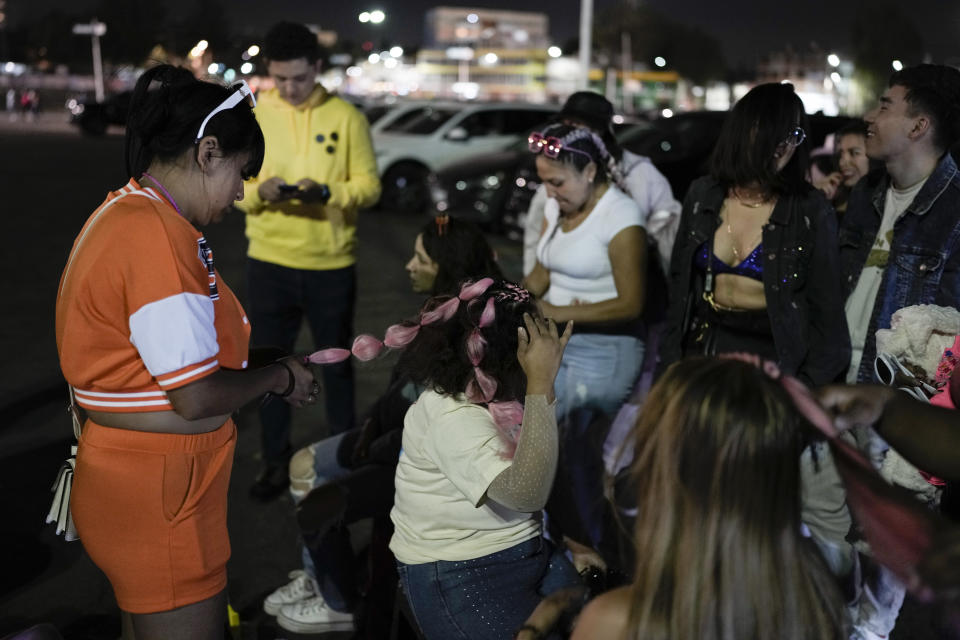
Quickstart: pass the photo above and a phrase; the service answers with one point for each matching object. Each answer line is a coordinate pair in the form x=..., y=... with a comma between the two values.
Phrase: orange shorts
x=151, y=511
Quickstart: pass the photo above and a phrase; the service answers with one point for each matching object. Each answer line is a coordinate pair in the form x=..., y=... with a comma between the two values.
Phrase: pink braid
x=328, y=356
x=367, y=347
x=476, y=344
x=508, y=416
x=482, y=388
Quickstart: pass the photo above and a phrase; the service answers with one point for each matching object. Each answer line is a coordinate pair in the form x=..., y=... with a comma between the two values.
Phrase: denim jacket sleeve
x=679, y=283
x=828, y=349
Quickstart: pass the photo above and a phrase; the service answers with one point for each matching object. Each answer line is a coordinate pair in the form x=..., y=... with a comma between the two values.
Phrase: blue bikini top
x=751, y=267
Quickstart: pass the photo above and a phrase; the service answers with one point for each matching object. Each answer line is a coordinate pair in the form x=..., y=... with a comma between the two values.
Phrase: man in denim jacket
x=900, y=246
x=900, y=236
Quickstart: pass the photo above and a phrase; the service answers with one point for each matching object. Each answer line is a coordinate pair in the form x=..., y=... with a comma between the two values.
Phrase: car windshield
x=420, y=121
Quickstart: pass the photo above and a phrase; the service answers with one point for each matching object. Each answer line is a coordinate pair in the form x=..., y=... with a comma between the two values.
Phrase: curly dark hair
x=438, y=356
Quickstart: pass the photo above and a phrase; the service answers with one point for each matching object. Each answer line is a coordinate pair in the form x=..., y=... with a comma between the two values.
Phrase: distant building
x=484, y=53
x=822, y=86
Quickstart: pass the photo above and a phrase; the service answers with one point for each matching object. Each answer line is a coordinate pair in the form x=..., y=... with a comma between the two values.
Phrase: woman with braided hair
x=591, y=269
x=476, y=464
x=349, y=476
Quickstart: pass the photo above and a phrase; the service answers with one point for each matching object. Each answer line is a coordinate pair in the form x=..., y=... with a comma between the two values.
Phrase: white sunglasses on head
x=242, y=92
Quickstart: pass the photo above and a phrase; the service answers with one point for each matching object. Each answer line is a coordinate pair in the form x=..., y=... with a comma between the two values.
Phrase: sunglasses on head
x=241, y=92
x=551, y=146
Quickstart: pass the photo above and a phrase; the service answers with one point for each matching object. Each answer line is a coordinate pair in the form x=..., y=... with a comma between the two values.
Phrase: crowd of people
x=742, y=504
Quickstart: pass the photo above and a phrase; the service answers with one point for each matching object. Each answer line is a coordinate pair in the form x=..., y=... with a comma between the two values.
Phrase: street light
x=897, y=65
x=660, y=61
x=554, y=52
x=377, y=16
x=833, y=60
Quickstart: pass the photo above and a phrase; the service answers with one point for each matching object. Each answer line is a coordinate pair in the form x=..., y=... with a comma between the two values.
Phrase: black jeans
x=278, y=299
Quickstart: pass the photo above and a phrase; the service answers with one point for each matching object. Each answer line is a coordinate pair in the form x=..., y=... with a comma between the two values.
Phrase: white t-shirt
x=451, y=454
x=648, y=188
x=579, y=260
x=859, y=307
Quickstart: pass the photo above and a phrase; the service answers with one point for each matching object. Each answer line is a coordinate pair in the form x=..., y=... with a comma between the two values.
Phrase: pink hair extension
x=328, y=356
x=488, y=315
x=366, y=347
x=399, y=335
x=482, y=388
x=476, y=345
x=444, y=312
x=471, y=291
x=508, y=416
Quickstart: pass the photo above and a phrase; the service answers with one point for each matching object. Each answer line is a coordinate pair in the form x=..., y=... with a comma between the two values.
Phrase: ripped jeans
x=597, y=372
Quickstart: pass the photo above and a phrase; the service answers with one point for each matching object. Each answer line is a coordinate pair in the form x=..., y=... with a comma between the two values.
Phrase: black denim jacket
x=924, y=262
x=800, y=280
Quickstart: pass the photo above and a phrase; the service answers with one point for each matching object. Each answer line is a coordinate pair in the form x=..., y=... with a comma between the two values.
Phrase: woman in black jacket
x=754, y=266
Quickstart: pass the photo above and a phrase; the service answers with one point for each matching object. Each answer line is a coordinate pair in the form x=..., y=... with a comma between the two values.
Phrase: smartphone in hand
x=289, y=190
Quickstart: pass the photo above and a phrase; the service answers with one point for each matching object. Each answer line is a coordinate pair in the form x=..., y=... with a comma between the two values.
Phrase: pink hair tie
x=328, y=356
x=366, y=347
x=399, y=335
x=471, y=291
x=444, y=312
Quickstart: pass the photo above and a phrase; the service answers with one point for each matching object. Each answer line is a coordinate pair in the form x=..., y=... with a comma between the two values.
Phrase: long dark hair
x=717, y=475
x=461, y=252
x=166, y=109
x=757, y=125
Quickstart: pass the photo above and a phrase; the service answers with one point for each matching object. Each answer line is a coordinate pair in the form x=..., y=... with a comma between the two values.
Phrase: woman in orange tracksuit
x=154, y=345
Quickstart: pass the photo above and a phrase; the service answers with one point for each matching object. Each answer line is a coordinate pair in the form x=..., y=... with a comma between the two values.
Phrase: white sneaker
x=299, y=589
x=313, y=616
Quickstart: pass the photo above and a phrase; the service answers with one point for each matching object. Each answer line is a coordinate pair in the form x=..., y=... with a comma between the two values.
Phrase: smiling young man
x=318, y=171
x=900, y=246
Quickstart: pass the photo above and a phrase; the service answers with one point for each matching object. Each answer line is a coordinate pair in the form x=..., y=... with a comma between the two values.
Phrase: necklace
x=745, y=202
x=164, y=191
x=733, y=242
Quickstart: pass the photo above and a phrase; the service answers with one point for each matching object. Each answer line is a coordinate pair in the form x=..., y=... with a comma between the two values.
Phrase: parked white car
x=416, y=139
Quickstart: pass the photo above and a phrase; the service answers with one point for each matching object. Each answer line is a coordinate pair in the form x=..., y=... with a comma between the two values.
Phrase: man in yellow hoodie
x=319, y=169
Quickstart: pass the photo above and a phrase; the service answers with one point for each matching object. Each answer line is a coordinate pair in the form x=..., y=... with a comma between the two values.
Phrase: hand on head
x=539, y=350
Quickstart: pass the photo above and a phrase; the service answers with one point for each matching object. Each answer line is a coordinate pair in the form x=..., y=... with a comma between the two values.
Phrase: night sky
x=747, y=29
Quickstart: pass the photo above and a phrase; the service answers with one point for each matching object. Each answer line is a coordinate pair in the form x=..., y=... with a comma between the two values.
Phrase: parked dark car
x=94, y=117
x=495, y=189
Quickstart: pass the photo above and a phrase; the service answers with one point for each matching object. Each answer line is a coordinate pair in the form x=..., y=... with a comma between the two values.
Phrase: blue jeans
x=596, y=376
x=277, y=301
x=597, y=372
x=485, y=598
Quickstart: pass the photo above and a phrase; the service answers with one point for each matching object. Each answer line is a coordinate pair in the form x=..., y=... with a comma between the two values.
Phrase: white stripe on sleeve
x=174, y=332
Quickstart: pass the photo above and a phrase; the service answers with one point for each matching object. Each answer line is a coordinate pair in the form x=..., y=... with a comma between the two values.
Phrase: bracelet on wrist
x=291, y=380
